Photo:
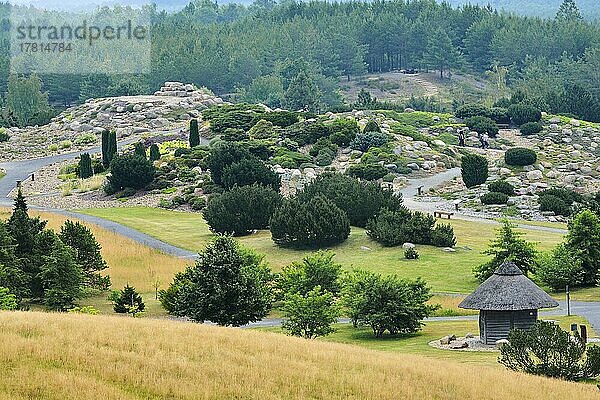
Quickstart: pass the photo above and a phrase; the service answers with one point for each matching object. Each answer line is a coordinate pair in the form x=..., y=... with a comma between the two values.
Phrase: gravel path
x=410, y=192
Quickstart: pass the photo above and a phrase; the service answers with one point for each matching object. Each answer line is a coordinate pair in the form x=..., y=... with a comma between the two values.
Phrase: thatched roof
x=508, y=290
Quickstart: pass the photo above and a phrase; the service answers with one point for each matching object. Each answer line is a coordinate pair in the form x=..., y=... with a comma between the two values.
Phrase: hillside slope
x=51, y=356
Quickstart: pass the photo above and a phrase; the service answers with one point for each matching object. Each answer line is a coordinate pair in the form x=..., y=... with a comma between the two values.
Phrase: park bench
x=441, y=214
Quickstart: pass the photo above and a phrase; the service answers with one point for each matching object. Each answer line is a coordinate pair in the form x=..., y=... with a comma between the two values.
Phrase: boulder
x=458, y=345
x=535, y=175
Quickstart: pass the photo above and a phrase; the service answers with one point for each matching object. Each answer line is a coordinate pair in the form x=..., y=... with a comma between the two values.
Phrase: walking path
x=410, y=192
x=22, y=170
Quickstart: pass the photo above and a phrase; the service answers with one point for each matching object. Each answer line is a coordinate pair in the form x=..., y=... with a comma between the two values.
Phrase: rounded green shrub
x=369, y=172
x=371, y=126
x=494, y=198
x=523, y=113
x=313, y=224
x=411, y=254
x=443, y=236
x=502, y=187
x=241, y=210
x=531, y=128
x=552, y=203
x=472, y=110
x=482, y=125
x=520, y=156
x=130, y=171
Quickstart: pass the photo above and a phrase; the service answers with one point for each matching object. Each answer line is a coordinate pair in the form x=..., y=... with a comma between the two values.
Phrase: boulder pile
x=79, y=127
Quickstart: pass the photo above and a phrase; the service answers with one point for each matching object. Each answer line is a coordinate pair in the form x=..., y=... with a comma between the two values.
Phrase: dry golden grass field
x=67, y=356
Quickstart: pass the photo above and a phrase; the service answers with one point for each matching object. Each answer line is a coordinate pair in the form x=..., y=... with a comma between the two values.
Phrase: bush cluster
x=520, y=156
x=394, y=228
x=482, y=125
x=531, y=128
x=130, y=171
x=316, y=223
x=494, y=198
x=523, y=113
x=474, y=170
x=241, y=210
x=502, y=187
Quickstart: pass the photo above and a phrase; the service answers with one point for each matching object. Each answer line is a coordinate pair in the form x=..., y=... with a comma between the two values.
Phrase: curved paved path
x=22, y=170
x=409, y=193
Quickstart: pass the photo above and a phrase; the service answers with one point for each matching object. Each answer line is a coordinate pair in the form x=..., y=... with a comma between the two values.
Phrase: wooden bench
x=440, y=214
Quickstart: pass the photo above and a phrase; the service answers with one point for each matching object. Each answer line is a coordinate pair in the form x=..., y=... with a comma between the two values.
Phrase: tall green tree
x=508, y=245
x=584, y=240
x=229, y=285
x=303, y=93
x=441, y=54
x=26, y=102
x=310, y=315
x=87, y=253
x=569, y=12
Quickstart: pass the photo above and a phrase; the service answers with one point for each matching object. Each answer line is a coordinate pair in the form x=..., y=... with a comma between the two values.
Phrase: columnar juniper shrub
x=474, y=170
x=194, y=134
x=85, y=169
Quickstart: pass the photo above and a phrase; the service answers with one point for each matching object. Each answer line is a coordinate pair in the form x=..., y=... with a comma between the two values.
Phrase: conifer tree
x=194, y=133
x=140, y=149
x=154, y=153
x=85, y=166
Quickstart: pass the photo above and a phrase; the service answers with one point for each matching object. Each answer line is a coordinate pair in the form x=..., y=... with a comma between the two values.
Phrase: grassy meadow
x=444, y=271
x=128, y=263
x=67, y=357
x=418, y=343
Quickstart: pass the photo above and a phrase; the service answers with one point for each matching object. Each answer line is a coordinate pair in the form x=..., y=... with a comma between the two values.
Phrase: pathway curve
x=410, y=191
x=589, y=311
x=22, y=170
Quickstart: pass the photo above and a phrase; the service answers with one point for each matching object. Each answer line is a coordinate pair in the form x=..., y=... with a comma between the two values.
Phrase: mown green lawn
x=418, y=343
x=444, y=271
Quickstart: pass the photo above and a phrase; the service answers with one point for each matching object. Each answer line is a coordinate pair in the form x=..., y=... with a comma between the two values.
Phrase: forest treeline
x=265, y=51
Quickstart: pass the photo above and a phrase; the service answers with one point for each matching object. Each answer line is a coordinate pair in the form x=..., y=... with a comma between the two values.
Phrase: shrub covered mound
x=360, y=200
x=313, y=224
x=494, y=198
x=520, y=156
x=502, y=187
x=242, y=210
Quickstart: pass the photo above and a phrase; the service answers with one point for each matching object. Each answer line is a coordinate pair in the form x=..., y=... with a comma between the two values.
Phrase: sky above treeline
x=542, y=8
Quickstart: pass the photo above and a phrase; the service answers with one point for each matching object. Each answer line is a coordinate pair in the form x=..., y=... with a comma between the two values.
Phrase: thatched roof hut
x=507, y=300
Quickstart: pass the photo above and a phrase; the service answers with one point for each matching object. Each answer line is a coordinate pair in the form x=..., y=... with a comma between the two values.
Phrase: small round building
x=507, y=300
